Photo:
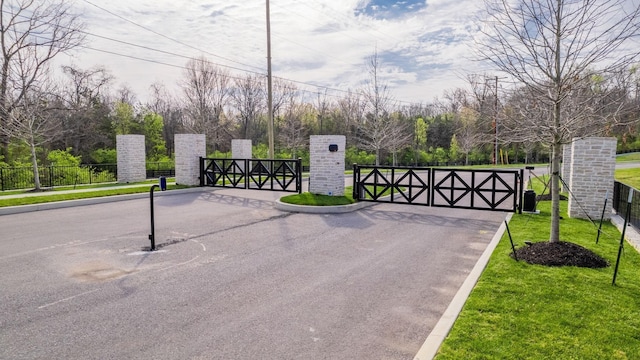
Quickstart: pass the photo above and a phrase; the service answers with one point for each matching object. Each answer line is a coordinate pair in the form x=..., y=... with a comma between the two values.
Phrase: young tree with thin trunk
x=552, y=48
x=206, y=88
x=33, y=122
x=249, y=101
x=32, y=33
x=378, y=131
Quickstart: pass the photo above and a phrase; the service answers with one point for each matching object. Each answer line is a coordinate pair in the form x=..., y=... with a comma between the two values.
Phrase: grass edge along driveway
x=523, y=311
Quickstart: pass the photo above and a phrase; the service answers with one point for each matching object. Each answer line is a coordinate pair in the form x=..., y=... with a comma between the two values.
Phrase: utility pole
x=495, y=125
x=269, y=86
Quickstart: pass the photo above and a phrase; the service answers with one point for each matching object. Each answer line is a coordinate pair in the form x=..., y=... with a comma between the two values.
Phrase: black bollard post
x=162, y=184
x=152, y=236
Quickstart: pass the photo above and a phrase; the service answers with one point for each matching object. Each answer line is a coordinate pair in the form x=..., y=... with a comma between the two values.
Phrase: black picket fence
x=13, y=178
x=620, y=203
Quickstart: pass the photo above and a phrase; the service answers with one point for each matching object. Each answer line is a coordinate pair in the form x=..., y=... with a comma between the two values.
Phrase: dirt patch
x=97, y=272
x=560, y=254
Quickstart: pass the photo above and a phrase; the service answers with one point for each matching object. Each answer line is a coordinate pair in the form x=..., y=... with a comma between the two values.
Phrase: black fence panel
x=392, y=184
x=14, y=178
x=497, y=190
x=476, y=189
x=620, y=201
x=258, y=174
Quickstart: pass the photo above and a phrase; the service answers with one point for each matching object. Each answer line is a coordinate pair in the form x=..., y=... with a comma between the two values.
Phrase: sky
x=423, y=46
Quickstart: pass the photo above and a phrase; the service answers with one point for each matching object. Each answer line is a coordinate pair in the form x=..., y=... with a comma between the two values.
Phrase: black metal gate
x=497, y=190
x=258, y=174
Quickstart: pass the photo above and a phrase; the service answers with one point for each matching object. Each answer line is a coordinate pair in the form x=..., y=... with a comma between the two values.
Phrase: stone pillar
x=131, y=158
x=565, y=172
x=241, y=149
x=327, y=167
x=189, y=148
x=593, y=162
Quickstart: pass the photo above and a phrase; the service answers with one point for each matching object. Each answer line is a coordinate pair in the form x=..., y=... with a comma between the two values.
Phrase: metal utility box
x=163, y=183
x=529, y=203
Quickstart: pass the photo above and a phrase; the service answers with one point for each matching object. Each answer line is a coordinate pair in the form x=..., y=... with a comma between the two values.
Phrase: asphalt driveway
x=233, y=278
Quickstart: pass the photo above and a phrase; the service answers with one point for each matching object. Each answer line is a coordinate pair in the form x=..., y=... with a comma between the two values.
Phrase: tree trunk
x=34, y=162
x=555, y=192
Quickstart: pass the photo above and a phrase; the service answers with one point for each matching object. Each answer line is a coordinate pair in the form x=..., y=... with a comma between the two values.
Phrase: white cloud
x=316, y=41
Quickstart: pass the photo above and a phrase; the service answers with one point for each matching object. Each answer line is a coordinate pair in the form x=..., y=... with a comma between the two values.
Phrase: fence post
x=201, y=171
x=521, y=195
x=246, y=172
x=355, y=192
x=1, y=179
x=299, y=175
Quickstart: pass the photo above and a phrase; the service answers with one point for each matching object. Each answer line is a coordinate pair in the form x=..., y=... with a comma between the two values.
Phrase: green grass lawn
x=522, y=311
x=99, y=192
x=628, y=157
x=318, y=200
x=630, y=177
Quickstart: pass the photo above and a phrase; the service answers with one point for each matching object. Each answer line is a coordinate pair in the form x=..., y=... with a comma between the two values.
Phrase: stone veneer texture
x=593, y=163
x=327, y=168
x=131, y=158
x=565, y=172
x=189, y=148
x=241, y=149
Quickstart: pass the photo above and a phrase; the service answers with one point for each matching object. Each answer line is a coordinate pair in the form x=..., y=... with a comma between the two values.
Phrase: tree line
x=81, y=113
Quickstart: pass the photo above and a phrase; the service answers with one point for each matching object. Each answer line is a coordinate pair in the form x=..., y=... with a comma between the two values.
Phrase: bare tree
x=283, y=91
x=467, y=132
x=552, y=47
x=32, y=121
x=165, y=105
x=351, y=110
x=85, y=120
x=248, y=97
x=323, y=104
x=32, y=33
x=293, y=131
x=206, y=88
x=377, y=129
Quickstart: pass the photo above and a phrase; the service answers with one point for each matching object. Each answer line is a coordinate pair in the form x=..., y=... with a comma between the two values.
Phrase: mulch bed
x=560, y=254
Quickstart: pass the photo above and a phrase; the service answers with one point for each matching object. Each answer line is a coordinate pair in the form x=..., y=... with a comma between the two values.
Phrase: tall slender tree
x=206, y=88
x=552, y=48
x=32, y=33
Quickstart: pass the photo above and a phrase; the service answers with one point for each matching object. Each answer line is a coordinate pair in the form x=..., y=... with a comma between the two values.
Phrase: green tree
x=421, y=128
x=122, y=119
x=454, y=149
x=152, y=129
x=63, y=158
x=552, y=48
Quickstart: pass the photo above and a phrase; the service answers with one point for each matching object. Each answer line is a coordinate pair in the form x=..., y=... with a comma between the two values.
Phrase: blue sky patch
x=391, y=9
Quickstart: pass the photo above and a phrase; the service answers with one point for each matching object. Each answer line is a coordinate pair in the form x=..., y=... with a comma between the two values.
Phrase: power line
x=167, y=37
x=326, y=88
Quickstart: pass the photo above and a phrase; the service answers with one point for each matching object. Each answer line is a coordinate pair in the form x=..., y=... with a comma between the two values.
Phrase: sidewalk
x=632, y=235
x=8, y=210
x=80, y=189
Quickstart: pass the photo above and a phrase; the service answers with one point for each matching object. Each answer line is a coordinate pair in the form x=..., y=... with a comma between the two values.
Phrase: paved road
x=233, y=279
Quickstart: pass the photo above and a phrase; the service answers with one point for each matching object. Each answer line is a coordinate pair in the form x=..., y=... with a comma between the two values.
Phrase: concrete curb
x=338, y=209
x=91, y=201
x=430, y=347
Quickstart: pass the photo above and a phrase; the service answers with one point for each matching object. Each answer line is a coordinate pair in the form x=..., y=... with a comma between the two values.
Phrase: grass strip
x=630, y=177
x=628, y=157
x=319, y=200
x=30, y=200
x=523, y=311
